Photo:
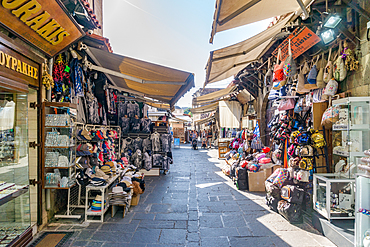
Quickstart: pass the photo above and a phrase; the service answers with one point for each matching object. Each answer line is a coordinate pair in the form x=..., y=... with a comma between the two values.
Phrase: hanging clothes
x=156, y=142
x=77, y=77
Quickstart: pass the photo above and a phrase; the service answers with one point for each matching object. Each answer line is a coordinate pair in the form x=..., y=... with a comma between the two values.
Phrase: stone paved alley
x=195, y=205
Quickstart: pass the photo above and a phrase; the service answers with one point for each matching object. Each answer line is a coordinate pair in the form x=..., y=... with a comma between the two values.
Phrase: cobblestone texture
x=196, y=205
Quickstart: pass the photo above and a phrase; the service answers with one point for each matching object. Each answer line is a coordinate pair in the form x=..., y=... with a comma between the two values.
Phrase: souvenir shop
x=99, y=139
x=309, y=151
x=24, y=52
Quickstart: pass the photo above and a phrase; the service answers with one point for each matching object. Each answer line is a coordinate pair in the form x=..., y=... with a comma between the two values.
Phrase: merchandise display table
x=104, y=195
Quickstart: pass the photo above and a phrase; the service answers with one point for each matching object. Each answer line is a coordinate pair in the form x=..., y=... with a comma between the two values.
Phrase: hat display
x=86, y=134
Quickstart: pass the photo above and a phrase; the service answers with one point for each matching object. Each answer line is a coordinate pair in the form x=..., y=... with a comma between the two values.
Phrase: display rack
x=351, y=134
x=59, y=142
x=104, y=190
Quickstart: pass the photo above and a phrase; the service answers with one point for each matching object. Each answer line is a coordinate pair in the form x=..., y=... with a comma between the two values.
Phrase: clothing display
x=132, y=109
x=156, y=141
x=145, y=125
x=166, y=163
x=166, y=140
x=157, y=160
x=147, y=145
x=148, y=162
x=138, y=144
x=125, y=124
x=134, y=125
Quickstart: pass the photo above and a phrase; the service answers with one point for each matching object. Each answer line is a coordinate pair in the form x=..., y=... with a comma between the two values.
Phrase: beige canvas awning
x=235, y=13
x=214, y=96
x=228, y=61
x=205, y=108
x=204, y=120
x=141, y=78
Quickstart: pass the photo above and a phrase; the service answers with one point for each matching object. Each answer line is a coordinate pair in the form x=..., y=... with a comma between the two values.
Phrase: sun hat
x=86, y=134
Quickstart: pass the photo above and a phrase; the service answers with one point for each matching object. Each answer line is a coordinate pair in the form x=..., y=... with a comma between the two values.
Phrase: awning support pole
x=303, y=7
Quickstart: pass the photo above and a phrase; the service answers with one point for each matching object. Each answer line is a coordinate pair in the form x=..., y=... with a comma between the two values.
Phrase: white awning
x=141, y=78
x=215, y=95
x=205, y=108
x=235, y=13
x=228, y=61
x=204, y=120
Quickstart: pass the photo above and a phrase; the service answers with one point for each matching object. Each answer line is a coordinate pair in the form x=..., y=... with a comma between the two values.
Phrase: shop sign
x=17, y=67
x=44, y=23
x=302, y=39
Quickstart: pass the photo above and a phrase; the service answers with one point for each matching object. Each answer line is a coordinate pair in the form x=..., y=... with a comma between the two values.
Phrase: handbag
x=290, y=67
x=328, y=70
x=292, y=194
x=281, y=177
x=317, y=95
x=272, y=189
x=320, y=75
x=278, y=75
x=286, y=104
x=339, y=67
x=292, y=212
x=311, y=77
x=302, y=79
x=306, y=164
x=269, y=74
x=330, y=116
x=273, y=95
x=331, y=88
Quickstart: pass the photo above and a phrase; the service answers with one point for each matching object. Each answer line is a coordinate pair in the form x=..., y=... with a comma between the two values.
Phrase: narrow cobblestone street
x=196, y=205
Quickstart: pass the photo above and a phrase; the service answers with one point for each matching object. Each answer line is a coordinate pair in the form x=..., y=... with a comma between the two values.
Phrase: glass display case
x=59, y=145
x=334, y=196
x=14, y=176
x=362, y=222
x=351, y=134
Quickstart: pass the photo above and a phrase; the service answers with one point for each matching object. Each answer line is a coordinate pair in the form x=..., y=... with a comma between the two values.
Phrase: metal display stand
x=74, y=201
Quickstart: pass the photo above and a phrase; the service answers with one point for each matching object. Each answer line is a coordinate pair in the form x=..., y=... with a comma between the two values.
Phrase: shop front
x=19, y=85
x=313, y=100
x=30, y=33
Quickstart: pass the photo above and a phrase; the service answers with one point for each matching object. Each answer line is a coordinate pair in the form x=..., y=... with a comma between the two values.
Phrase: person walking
x=209, y=140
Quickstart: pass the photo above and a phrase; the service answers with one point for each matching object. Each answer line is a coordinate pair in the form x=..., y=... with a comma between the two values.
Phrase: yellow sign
x=18, y=66
x=44, y=23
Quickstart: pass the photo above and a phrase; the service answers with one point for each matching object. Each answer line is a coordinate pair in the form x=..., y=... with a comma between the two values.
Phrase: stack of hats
x=98, y=178
x=106, y=169
x=97, y=204
x=118, y=196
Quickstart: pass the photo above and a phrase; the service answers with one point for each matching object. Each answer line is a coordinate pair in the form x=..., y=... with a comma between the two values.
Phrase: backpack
x=290, y=211
x=292, y=194
x=272, y=189
x=272, y=202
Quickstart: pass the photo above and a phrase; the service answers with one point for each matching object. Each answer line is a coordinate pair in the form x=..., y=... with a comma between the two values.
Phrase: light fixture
x=332, y=21
x=327, y=36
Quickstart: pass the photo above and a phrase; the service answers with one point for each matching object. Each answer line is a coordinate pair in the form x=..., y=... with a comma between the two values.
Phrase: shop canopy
x=214, y=96
x=228, y=61
x=235, y=13
x=141, y=78
x=205, y=108
x=204, y=120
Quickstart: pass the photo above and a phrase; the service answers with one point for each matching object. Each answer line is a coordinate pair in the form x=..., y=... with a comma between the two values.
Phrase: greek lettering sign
x=44, y=23
x=302, y=39
x=17, y=67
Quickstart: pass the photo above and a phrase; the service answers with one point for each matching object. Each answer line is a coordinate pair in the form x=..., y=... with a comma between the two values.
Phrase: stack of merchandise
x=284, y=197
x=97, y=204
x=288, y=188
x=239, y=163
x=118, y=196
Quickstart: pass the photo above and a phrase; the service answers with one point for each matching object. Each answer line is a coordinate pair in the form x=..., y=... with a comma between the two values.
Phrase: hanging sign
x=44, y=23
x=18, y=67
x=302, y=39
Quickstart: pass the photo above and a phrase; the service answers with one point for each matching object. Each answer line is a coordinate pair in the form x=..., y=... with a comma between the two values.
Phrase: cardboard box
x=135, y=200
x=257, y=180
